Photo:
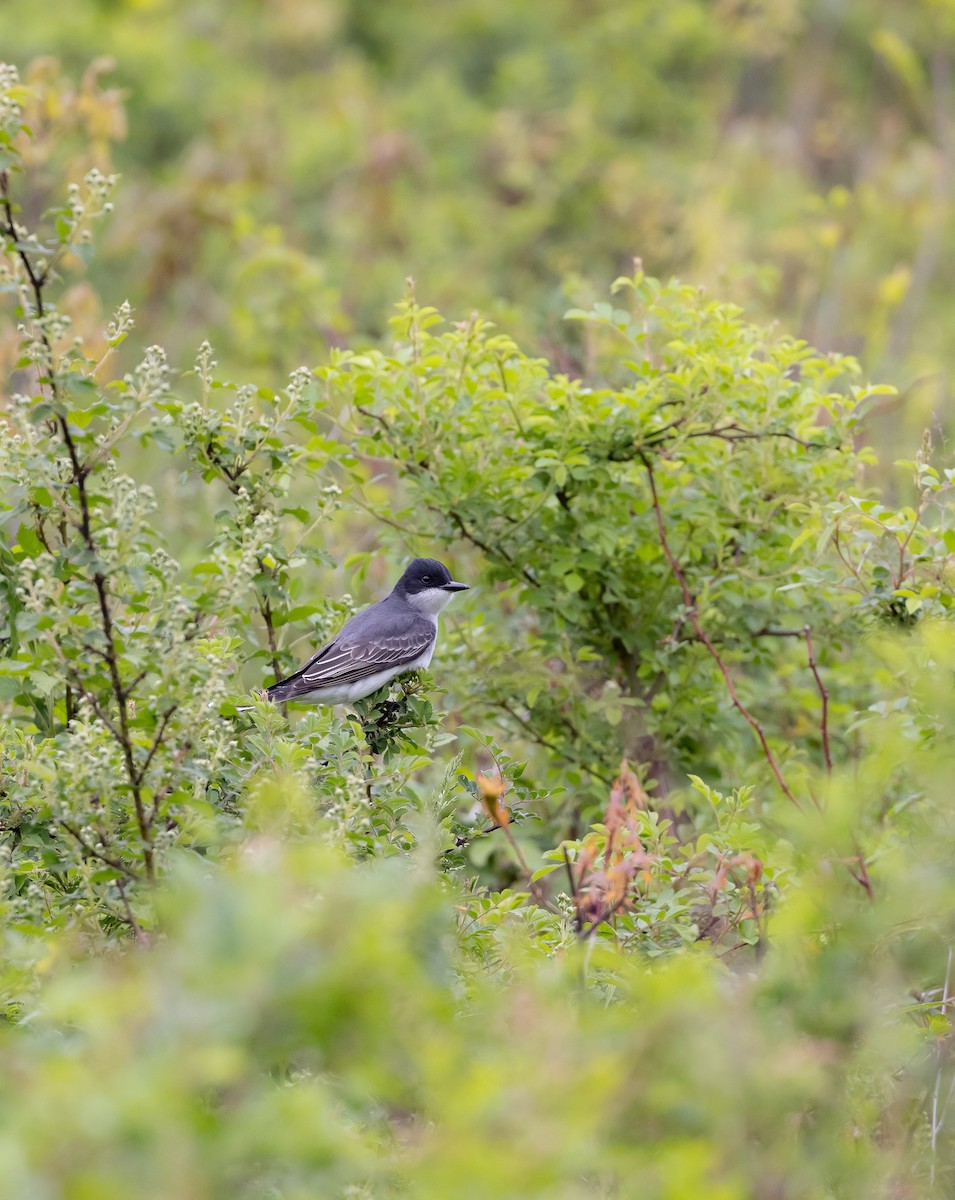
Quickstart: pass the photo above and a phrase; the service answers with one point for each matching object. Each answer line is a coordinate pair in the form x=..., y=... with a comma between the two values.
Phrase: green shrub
x=119, y=663
x=248, y=955
x=302, y=1026
x=687, y=533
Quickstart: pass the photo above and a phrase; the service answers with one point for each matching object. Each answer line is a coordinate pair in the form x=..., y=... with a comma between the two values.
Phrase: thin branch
x=386, y=520
x=823, y=696
x=507, y=392
x=368, y=415
x=85, y=692
x=476, y=833
x=101, y=453
x=491, y=552
x=731, y=432
x=539, y=738
x=847, y=562
x=861, y=876
x=80, y=473
x=736, y=433
x=693, y=615
x=161, y=793
x=904, y=544
x=658, y=436
x=265, y=608
x=136, y=680
x=119, y=691
x=156, y=742
x=570, y=873
x=36, y=281
x=91, y=851
x=40, y=529
x=533, y=885
x=130, y=915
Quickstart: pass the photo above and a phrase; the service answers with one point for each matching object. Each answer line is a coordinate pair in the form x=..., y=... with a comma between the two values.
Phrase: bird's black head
x=427, y=575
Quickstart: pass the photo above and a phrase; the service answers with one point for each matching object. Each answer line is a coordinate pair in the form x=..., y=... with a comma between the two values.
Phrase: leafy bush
x=254, y=955
x=119, y=663
x=303, y=1025
x=680, y=531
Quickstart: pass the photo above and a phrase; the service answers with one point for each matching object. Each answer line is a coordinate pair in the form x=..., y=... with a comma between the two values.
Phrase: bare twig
x=905, y=571
x=161, y=793
x=390, y=521
x=507, y=393
x=851, y=567
x=533, y=884
x=372, y=416
x=731, y=432
x=85, y=692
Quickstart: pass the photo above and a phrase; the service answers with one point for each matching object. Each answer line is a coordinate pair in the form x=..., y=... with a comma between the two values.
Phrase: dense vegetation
x=287, y=164
x=647, y=891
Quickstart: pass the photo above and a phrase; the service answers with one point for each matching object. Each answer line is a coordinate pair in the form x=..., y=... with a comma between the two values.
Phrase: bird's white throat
x=430, y=601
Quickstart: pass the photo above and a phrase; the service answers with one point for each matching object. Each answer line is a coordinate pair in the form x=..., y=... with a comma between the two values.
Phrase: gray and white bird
x=395, y=635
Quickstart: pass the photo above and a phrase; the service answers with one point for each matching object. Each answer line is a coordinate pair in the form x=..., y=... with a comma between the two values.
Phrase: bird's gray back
x=389, y=618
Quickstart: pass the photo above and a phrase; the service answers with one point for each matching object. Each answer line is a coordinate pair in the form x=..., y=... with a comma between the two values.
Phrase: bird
x=395, y=635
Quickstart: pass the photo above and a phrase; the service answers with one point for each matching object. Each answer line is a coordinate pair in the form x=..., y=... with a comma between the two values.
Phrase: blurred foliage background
x=648, y=891
x=288, y=163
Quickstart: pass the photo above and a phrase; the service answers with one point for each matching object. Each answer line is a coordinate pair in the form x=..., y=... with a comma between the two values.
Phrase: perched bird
x=395, y=635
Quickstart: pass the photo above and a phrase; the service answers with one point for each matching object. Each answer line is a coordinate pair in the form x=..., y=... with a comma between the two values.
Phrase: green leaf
x=29, y=542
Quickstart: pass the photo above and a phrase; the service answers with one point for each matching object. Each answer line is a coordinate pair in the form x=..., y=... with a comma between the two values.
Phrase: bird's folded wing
x=343, y=662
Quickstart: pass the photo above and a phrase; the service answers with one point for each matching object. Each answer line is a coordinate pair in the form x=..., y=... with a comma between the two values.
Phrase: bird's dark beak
x=456, y=587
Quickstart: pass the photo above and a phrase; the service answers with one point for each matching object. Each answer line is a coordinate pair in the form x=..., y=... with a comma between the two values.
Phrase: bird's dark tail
x=287, y=689
x=276, y=694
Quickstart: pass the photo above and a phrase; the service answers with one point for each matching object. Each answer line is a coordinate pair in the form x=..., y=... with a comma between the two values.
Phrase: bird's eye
x=425, y=578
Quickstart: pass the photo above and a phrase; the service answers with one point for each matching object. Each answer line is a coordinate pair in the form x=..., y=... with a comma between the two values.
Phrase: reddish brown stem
x=862, y=875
